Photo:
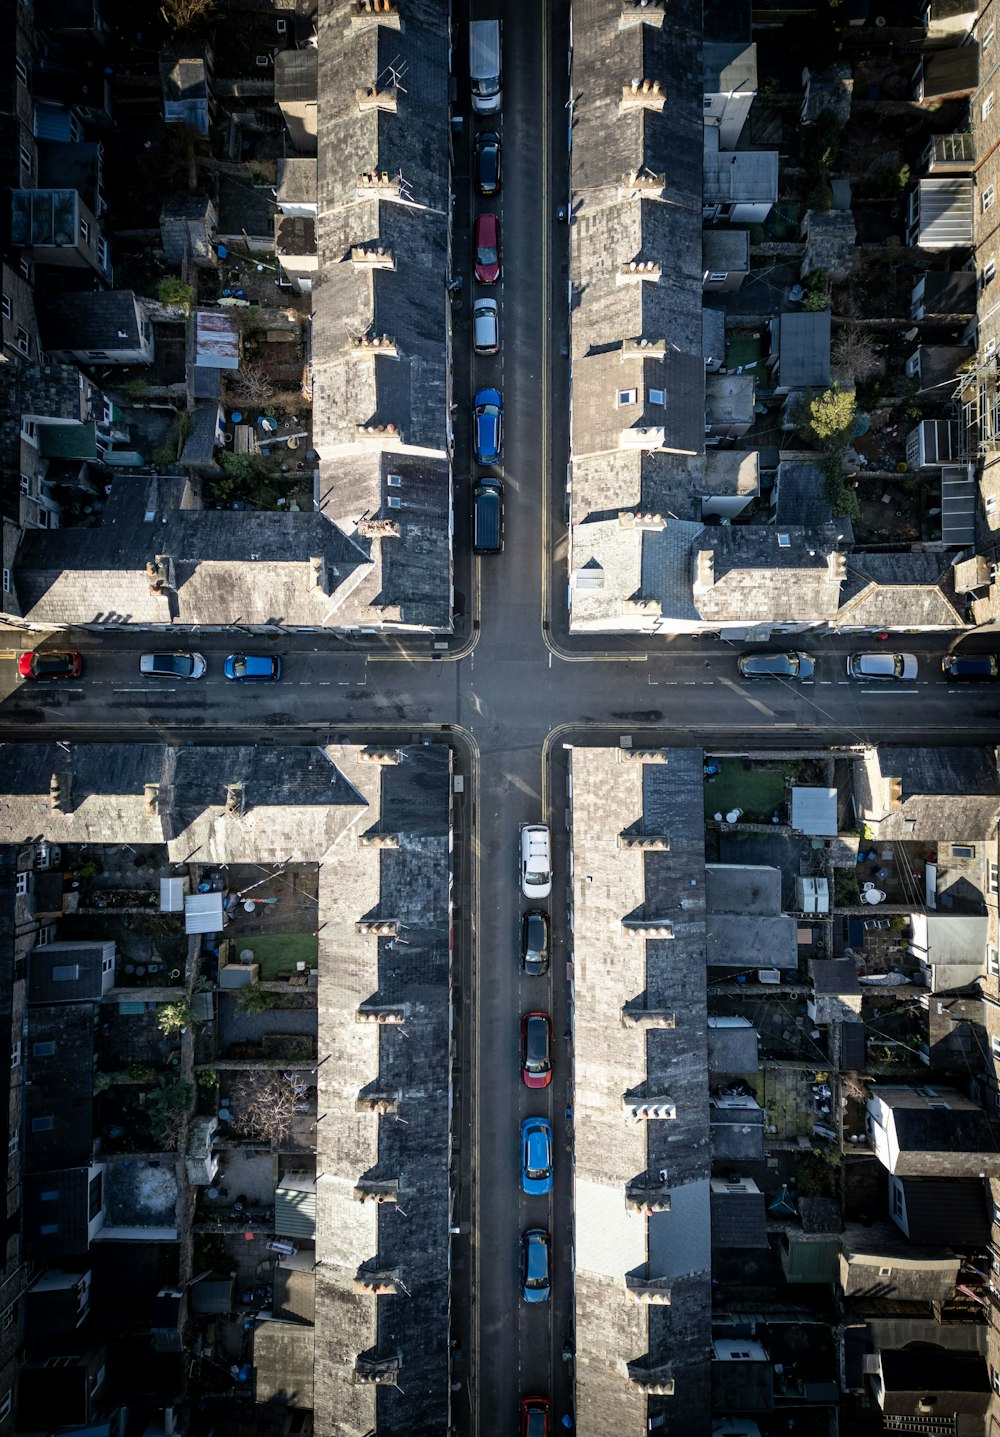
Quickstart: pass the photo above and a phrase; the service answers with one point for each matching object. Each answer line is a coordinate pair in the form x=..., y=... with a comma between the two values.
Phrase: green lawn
x=758, y=791
x=277, y=951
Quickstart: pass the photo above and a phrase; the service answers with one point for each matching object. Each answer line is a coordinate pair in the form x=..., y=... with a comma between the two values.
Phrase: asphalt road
x=511, y=689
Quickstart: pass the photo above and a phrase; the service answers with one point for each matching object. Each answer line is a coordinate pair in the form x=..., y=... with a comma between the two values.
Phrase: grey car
x=882, y=665
x=791, y=665
x=179, y=665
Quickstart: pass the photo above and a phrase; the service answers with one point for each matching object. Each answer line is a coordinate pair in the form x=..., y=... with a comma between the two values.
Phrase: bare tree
x=853, y=351
x=251, y=385
x=263, y=1106
x=179, y=14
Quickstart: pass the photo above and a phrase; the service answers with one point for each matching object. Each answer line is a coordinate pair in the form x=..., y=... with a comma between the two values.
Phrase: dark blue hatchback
x=254, y=668
x=487, y=426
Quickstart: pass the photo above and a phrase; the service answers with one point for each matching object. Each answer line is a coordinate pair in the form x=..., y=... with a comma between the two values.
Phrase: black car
x=535, y=942
x=488, y=163
x=970, y=666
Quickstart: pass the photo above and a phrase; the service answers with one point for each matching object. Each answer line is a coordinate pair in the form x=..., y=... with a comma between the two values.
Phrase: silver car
x=792, y=665
x=177, y=665
x=485, y=326
x=882, y=665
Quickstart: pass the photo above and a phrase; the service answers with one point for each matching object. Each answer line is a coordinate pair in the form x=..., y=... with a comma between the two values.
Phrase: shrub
x=136, y=390
x=173, y=1017
x=173, y=290
x=254, y=999
x=207, y=1078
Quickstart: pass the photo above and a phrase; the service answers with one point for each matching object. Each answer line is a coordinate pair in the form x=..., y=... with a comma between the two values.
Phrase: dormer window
x=656, y=396
x=784, y=541
x=393, y=481
x=394, y=501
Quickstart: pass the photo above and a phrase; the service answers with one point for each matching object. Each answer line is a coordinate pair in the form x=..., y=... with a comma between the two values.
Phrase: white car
x=882, y=666
x=536, y=861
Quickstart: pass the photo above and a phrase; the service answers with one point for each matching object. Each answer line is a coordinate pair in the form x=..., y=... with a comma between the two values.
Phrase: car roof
x=487, y=224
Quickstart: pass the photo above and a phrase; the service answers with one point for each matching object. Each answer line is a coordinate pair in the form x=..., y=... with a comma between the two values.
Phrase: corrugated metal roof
x=958, y=505
x=295, y=1207
x=946, y=212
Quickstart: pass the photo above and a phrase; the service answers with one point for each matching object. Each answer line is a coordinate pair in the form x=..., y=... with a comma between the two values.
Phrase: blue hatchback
x=254, y=668
x=487, y=426
x=536, y=1156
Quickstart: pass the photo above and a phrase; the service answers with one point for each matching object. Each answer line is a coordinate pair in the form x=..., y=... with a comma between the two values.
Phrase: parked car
x=791, y=665
x=535, y=1265
x=486, y=244
x=485, y=326
x=487, y=426
x=488, y=163
x=536, y=863
x=254, y=668
x=970, y=666
x=536, y=1050
x=534, y=1417
x=487, y=517
x=535, y=942
x=179, y=665
x=882, y=666
x=536, y=1156
x=50, y=664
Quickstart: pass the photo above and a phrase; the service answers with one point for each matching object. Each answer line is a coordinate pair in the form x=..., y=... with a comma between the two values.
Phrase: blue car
x=487, y=426
x=254, y=668
x=536, y=1156
x=535, y=1265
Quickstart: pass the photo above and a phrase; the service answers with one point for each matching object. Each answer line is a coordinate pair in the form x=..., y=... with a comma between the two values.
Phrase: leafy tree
x=172, y=1017
x=828, y=420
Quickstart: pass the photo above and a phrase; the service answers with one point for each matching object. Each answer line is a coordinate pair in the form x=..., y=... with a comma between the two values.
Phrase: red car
x=486, y=243
x=536, y=1050
x=50, y=664
x=534, y=1417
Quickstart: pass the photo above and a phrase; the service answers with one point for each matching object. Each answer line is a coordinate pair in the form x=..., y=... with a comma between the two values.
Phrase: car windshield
x=537, y=1044
x=239, y=665
x=536, y=875
x=897, y=664
x=487, y=254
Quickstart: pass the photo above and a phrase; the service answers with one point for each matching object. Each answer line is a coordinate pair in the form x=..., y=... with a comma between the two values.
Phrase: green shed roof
x=67, y=441
x=813, y=1259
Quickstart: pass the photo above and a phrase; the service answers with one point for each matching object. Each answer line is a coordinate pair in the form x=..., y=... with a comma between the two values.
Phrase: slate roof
x=745, y=927
x=953, y=1211
x=820, y=1215
x=905, y=590
x=742, y=572
x=611, y=793
x=296, y=175
x=60, y=1087
x=296, y=75
x=725, y=250
x=738, y=1219
x=802, y=342
x=951, y=1376
x=732, y=1046
x=411, y=885
x=56, y=1199
x=408, y=391
x=737, y=1134
x=617, y=223
x=740, y=176
x=950, y=292
x=838, y=976
x=283, y=1364
x=66, y=971
x=800, y=495
x=950, y=794
x=961, y=1127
